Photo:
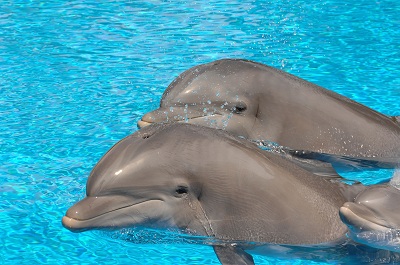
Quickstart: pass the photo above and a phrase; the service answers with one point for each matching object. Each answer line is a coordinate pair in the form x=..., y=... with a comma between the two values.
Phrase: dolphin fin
x=233, y=255
x=396, y=118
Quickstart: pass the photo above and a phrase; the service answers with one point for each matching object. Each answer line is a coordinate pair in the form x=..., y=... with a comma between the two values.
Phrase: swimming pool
x=76, y=77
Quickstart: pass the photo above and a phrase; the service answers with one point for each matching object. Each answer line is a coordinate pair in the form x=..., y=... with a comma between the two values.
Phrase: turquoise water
x=76, y=77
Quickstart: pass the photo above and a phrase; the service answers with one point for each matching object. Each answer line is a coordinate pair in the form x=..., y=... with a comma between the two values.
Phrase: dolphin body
x=207, y=182
x=259, y=102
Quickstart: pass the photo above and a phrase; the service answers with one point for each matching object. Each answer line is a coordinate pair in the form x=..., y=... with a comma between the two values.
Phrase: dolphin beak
x=173, y=114
x=155, y=116
x=114, y=211
x=359, y=218
x=89, y=213
x=74, y=225
x=143, y=123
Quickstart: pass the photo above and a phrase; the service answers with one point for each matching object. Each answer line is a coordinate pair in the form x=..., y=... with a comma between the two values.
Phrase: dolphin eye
x=181, y=190
x=240, y=107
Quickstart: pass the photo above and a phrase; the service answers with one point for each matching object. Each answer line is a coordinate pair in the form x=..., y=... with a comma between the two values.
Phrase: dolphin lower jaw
x=359, y=218
x=128, y=216
x=142, y=124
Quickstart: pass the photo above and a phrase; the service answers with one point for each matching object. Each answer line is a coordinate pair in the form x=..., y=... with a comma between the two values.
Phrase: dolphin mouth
x=141, y=124
x=107, y=212
x=177, y=115
x=360, y=218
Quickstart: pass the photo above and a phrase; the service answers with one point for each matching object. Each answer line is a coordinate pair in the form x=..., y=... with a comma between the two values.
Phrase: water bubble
x=213, y=123
x=166, y=115
x=226, y=121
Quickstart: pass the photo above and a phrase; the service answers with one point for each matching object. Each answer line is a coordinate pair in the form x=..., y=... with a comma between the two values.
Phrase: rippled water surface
x=76, y=76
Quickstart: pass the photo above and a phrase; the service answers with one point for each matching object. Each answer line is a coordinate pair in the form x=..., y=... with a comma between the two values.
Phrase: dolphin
x=260, y=102
x=374, y=217
x=206, y=182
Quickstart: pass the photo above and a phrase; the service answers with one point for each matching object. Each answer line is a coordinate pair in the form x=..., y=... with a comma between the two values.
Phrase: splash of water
x=271, y=146
x=154, y=236
x=388, y=239
x=395, y=181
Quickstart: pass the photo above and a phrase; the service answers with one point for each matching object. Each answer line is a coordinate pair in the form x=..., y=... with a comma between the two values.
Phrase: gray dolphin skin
x=207, y=182
x=256, y=101
x=374, y=217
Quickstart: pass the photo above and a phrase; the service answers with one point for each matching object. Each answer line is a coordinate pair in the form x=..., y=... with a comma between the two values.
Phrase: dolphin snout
x=359, y=218
x=73, y=225
x=91, y=207
x=172, y=114
x=147, y=119
x=87, y=213
x=141, y=124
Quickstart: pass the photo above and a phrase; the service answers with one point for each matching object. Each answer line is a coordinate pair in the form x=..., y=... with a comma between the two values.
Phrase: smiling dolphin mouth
x=106, y=212
x=75, y=225
x=360, y=218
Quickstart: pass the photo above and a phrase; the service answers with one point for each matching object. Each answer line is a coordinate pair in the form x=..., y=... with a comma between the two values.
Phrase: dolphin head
x=159, y=177
x=223, y=94
x=134, y=184
x=374, y=209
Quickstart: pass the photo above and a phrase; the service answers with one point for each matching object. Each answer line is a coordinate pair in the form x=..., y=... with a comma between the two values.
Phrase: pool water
x=76, y=76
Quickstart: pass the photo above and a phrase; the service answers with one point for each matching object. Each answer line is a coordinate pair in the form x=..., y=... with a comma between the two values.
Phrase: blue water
x=76, y=77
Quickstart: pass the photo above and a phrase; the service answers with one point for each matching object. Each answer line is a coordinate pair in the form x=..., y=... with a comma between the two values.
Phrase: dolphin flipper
x=232, y=255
